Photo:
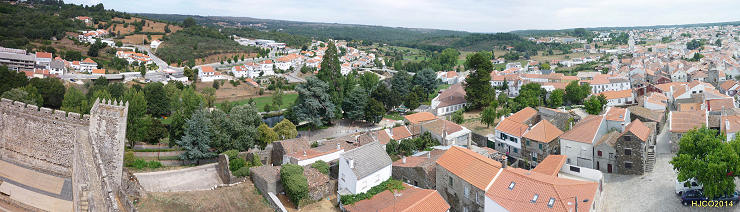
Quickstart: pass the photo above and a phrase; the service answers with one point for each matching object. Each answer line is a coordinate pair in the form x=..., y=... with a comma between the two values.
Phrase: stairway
x=650, y=162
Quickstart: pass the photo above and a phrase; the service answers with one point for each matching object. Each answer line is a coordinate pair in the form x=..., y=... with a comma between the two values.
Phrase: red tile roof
x=551, y=165
x=544, y=131
x=98, y=71
x=683, y=121
x=526, y=184
x=88, y=60
x=523, y=115
x=472, y=167
x=207, y=69
x=410, y=199
x=43, y=55
x=420, y=117
x=511, y=127
x=616, y=114
x=639, y=129
x=617, y=94
x=400, y=133
x=585, y=130
x=719, y=104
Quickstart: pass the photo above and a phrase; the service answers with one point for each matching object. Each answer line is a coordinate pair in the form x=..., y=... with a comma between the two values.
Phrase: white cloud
x=468, y=15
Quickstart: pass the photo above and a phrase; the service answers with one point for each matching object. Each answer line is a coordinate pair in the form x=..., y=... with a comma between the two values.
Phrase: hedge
x=385, y=185
x=322, y=166
x=237, y=164
x=294, y=183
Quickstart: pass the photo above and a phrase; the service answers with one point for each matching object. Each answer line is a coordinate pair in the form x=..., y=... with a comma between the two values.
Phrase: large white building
x=449, y=101
x=362, y=168
x=578, y=142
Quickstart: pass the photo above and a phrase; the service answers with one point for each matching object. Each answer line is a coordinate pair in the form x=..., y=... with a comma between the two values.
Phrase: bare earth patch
x=242, y=197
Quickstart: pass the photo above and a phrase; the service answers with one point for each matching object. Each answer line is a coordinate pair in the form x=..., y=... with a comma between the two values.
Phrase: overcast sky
x=467, y=15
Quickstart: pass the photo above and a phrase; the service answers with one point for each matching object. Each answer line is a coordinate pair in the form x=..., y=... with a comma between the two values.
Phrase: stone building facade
x=453, y=189
x=631, y=154
x=86, y=148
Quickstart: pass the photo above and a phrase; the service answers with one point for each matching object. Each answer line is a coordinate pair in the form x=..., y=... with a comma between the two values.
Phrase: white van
x=687, y=185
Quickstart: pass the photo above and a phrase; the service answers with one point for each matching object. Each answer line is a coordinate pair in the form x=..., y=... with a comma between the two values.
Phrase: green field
x=288, y=100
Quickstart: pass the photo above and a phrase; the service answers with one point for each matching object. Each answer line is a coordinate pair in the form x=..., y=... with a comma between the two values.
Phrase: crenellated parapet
x=10, y=106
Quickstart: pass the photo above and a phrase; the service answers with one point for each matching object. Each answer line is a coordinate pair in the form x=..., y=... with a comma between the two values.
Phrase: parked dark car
x=696, y=195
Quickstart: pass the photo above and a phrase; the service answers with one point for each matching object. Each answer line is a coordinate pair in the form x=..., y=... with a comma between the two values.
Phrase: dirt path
x=189, y=179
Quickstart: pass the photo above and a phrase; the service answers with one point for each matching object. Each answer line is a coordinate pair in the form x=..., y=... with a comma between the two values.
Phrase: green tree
x=51, y=89
x=11, y=79
x=33, y=94
x=136, y=127
x=243, y=122
x=593, y=105
x=277, y=98
x=426, y=78
x=386, y=96
x=457, y=117
x=401, y=83
x=17, y=94
x=188, y=22
x=576, y=93
x=196, y=140
x=314, y=104
x=75, y=101
x=530, y=95
x=556, y=98
x=355, y=103
x=478, y=86
x=374, y=111
x=412, y=101
x=330, y=73
x=369, y=81
x=705, y=157
x=265, y=135
x=285, y=129
x=157, y=102
x=488, y=116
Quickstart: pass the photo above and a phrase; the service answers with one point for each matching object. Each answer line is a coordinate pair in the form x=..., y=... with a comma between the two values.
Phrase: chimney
x=429, y=154
x=304, y=153
x=351, y=163
x=403, y=160
x=338, y=146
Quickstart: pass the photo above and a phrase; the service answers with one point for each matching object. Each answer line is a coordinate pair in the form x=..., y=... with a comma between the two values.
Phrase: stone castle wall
x=40, y=138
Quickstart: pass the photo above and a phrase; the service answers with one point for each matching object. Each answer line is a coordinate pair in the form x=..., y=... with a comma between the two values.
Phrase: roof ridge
x=476, y=157
x=428, y=194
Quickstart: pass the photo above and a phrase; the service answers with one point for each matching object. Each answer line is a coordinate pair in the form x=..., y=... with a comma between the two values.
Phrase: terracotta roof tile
x=544, y=131
x=410, y=199
x=616, y=114
x=585, y=130
x=617, y=94
x=400, y=133
x=207, y=69
x=551, y=165
x=526, y=184
x=511, y=127
x=683, y=121
x=719, y=104
x=523, y=115
x=730, y=124
x=420, y=117
x=472, y=167
x=639, y=129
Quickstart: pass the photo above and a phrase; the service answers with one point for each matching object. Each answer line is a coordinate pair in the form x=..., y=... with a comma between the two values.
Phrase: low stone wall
x=223, y=170
x=9, y=201
x=275, y=202
x=478, y=140
x=130, y=190
x=158, y=154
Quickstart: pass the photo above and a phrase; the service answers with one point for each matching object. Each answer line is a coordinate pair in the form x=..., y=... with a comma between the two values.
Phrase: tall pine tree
x=478, y=87
x=330, y=73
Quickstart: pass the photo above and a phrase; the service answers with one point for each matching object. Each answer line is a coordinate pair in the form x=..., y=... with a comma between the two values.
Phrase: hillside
x=196, y=42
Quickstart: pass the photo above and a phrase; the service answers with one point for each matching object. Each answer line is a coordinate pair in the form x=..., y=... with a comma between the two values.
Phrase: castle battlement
x=46, y=113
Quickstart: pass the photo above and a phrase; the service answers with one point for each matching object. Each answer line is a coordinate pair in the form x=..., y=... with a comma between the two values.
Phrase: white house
x=449, y=77
x=362, y=168
x=509, y=131
x=617, y=118
x=346, y=68
x=208, y=74
x=155, y=44
x=43, y=59
x=324, y=153
x=617, y=98
x=577, y=143
x=242, y=71
x=87, y=65
x=450, y=100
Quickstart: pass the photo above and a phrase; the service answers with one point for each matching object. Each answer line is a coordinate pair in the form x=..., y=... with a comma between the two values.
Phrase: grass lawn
x=394, y=116
x=288, y=100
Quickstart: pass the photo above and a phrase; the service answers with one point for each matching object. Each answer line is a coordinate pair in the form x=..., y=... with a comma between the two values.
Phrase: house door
x=609, y=168
x=598, y=165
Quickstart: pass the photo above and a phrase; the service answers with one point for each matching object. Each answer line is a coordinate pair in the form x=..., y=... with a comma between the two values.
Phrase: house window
x=467, y=191
x=627, y=151
x=627, y=138
x=450, y=181
x=575, y=169
x=534, y=199
x=599, y=153
x=551, y=202
x=540, y=146
x=511, y=186
x=516, y=150
x=513, y=139
x=628, y=165
x=527, y=142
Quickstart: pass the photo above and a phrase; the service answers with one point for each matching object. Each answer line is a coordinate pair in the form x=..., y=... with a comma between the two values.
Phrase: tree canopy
x=314, y=105
x=704, y=156
x=477, y=84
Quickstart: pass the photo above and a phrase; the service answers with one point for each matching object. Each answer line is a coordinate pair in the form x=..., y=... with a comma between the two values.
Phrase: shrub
x=128, y=159
x=139, y=163
x=295, y=184
x=242, y=172
x=255, y=161
x=231, y=153
x=154, y=164
x=322, y=166
x=389, y=184
x=236, y=164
